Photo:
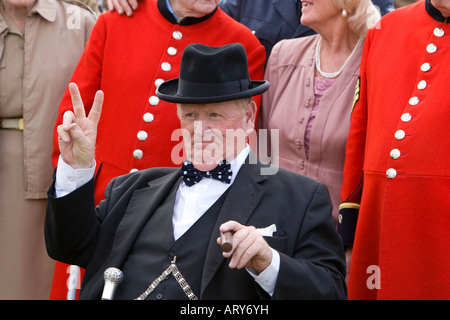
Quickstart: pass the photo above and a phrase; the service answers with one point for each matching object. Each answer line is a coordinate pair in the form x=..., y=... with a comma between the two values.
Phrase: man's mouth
x=306, y=3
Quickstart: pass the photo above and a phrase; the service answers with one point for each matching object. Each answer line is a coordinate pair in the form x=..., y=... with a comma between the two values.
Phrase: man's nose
x=201, y=126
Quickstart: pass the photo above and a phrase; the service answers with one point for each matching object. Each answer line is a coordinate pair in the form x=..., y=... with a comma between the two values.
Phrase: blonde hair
x=361, y=15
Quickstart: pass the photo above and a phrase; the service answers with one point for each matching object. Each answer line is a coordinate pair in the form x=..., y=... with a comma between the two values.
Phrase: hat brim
x=167, y=91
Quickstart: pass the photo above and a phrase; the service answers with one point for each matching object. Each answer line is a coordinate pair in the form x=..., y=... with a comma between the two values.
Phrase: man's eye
x=214, y=115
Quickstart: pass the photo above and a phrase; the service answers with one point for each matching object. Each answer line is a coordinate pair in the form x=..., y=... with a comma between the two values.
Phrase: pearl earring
x=344, y=13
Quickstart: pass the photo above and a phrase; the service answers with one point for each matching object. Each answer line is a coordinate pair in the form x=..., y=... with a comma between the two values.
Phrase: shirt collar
x=435, y=13
x=45, y=8
x=237, y=163
x=3, y=20
x=167, y=12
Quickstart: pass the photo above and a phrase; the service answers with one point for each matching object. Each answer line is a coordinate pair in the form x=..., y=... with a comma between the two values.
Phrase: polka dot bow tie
x=192, y=176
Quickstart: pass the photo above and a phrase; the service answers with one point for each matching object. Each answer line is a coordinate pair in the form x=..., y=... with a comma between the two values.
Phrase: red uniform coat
x=127, y=58
x=397, y=162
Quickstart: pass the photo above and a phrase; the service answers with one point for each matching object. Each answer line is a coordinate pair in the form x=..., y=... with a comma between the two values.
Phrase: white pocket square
x=268, y=231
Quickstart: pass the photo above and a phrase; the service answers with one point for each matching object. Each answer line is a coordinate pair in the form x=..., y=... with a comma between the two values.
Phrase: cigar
x=225, y=238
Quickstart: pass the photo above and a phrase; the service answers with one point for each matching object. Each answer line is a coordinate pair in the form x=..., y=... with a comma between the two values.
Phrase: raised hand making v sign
x=77, y=133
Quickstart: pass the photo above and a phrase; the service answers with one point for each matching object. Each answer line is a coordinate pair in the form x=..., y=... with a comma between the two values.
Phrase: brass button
x=438, y=32
x=395, y=154
x=138, y=154
x=177, y=35
x=431, y=48
x=400, y=134
x=422, y=85
x=425, y=67
x=391, y=173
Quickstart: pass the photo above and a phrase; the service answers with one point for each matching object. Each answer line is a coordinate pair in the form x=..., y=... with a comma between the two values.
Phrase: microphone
x=113, y=277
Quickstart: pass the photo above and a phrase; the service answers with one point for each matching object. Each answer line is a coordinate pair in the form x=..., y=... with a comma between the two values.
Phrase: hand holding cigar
x=245, y=246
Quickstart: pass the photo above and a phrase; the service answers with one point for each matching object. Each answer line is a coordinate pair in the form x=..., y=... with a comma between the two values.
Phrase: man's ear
x=250, y=116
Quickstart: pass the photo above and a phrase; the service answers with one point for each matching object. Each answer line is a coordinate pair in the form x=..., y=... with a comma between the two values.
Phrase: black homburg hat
x=211, y=74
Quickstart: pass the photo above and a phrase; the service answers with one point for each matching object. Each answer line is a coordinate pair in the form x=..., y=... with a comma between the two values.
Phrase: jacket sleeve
x=317, y=268
x=352, y=185
x=72, y=223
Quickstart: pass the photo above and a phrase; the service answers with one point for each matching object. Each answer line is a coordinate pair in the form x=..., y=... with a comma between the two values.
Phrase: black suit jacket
x=312, y=263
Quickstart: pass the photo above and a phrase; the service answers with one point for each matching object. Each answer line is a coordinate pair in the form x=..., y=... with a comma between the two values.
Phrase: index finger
x=230, y=226
x=77, y=102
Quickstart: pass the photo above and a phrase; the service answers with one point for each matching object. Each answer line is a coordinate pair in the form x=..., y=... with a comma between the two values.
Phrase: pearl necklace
x=334, y=74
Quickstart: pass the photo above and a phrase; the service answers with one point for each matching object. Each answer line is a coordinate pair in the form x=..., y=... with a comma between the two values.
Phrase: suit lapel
x=243, y=196
x=141, y=206
x=139, y=209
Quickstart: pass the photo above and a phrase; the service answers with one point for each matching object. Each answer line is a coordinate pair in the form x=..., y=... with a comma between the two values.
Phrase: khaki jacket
x=56, y=32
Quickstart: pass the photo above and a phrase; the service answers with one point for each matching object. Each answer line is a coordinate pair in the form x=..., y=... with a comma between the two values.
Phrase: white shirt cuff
x=268, y=278
x=69, y=179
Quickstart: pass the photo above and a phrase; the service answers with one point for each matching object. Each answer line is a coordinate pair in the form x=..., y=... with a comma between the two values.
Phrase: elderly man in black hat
x=162, y=228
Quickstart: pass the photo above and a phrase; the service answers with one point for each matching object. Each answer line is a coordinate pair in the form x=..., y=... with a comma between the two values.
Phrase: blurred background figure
x=275, y=20
x=313, y=82
x=402, y=3
x=396, y=189
x=40, y=44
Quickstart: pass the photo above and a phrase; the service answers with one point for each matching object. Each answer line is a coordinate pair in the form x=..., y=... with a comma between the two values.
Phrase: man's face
x=216, y=131
x=443, y=6
x=17, y=4
x=195, y=8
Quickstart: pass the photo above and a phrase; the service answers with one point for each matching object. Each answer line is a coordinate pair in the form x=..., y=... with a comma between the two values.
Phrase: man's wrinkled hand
x=250, y=250
x=77, y=134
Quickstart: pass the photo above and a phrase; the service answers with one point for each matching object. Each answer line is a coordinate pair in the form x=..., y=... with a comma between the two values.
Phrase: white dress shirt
x=190, y=204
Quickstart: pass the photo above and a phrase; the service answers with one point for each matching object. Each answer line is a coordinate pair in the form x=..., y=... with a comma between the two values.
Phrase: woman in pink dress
x=313, y=82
